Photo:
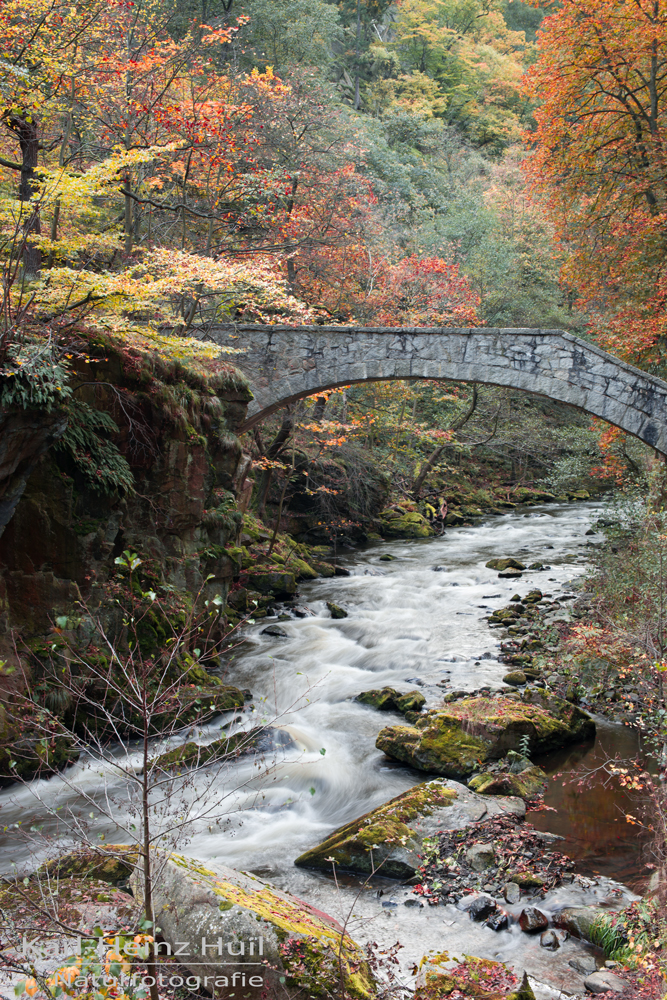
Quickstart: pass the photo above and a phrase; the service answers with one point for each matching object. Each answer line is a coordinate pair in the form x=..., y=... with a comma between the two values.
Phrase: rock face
x=174, y=441
x=455, y=741
x=238, y=923
x=389, y=839
x=288, y=362
x=25, y=435
x=61, y=542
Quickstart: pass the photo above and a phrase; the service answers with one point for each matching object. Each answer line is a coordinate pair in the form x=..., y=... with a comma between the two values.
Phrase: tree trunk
x=25, y=130
x=129, y=227
x=434, y=457
x=151, y=967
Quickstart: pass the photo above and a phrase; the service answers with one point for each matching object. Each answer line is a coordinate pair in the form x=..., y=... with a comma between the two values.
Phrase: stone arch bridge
x=286, y=363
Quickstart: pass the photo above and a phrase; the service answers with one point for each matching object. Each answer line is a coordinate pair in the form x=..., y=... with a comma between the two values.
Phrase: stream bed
x=417, y=621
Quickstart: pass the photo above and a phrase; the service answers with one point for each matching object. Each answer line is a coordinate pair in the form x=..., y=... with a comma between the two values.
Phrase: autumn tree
x=600, y=165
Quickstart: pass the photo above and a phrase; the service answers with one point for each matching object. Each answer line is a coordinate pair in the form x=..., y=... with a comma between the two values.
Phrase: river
x=415, y=621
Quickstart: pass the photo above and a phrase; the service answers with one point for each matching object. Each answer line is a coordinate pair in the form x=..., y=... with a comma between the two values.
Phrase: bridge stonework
x=286, y=363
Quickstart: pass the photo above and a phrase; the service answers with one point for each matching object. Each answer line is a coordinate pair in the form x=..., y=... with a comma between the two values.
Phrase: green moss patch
x=311, y=940
x=454, y=743
x=196, y=755
x=382, y=839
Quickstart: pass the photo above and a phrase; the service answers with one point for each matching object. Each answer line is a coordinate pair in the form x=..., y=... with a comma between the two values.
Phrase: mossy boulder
x=302, y=569
x=336, y=610
x=455, y=742
x=189, y=755
x=526, y=784
x=400, y=522
x=323, y=568
x=515, y=677
x=389, y=699
x=440, y=746
x=389, y=839
x=506, y=563
x=195, y=702
x=274, y=582
x=113, y=864
x=293, y=949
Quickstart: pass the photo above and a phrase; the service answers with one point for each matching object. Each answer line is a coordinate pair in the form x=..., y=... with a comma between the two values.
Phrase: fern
x=97, y=458
x=33, y=376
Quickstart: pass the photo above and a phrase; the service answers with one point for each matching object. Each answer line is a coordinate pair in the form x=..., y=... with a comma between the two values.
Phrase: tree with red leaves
x=600, y=162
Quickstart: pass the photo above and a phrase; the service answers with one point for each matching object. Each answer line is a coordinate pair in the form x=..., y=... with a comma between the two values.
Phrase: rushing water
x=417, y=621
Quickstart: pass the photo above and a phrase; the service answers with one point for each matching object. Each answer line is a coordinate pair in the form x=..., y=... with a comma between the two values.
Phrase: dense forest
x=171, y=172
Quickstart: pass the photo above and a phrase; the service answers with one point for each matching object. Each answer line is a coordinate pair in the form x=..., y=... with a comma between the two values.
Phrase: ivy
x=85, y=441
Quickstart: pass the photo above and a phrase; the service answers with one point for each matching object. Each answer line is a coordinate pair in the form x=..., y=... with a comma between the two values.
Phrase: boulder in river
x=275, y=630
x=526, y=784
x=389, y=839
x=578, y=920
x=399, y=522
x=260, y=740
x=533, y=920
x=388, y=699
x=503, y=564
x=516, y=678
x=455, y=741
x=336, y=610
x=241, y=924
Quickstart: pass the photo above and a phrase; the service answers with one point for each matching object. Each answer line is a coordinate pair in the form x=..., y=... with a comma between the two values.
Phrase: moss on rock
x=383, y=839
x=454, y=743
x=506, y=563
x=388, y=699
x=193, y=754
x=303, y=949
x=526, y=784
x=401, y=522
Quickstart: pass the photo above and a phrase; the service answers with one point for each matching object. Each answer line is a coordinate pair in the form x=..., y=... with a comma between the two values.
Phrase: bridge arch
x=286, y=363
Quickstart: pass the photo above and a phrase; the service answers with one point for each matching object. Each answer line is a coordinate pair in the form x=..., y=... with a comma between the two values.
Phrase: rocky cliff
x=140, y=453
